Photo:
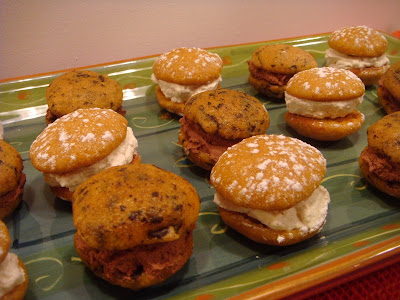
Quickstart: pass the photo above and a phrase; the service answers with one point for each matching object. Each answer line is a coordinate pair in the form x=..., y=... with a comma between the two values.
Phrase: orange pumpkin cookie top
x=283, y=59
x=78, y=139
x=358, y=41
x=277, y=172
x=325, y=84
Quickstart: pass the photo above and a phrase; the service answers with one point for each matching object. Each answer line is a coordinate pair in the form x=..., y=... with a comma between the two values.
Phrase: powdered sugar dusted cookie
x=13, y=275
x=268, y=188
x=359, y=49
x=184, y=72
x=322, y=103
x=80, y=144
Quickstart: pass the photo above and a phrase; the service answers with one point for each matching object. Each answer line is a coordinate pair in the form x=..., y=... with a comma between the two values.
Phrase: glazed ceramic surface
x=362, y=224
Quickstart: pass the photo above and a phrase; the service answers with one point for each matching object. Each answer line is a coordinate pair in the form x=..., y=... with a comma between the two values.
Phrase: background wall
x=44, y=36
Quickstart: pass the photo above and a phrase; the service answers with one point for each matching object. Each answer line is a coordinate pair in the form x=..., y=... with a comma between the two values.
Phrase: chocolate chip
x=155, y=194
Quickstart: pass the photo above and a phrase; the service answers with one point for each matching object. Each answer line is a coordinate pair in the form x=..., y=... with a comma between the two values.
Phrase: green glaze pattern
x=224, y=263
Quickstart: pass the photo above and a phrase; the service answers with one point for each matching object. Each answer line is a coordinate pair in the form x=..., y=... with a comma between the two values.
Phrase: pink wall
x=44, y=36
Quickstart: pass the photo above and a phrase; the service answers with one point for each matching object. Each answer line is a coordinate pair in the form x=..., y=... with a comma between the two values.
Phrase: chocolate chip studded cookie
x=12, y=179
x=134, y=224
x=216, y=120
x=271, y=67
x=82, y=89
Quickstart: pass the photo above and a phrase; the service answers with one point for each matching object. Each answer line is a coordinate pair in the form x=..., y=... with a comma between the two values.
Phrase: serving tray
x=362, y=227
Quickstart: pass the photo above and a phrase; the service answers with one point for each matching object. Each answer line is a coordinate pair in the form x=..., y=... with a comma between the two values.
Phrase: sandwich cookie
x=321, y=103
x=182, y=73
x=134, y=224
x=81, y=144
x=389, y=89
x=267, y=187
x=216, y=120
x=359, y=49
x=380, y=160
x=12, y=179
x=271, y=67
x=82, y=89
x=13, y=275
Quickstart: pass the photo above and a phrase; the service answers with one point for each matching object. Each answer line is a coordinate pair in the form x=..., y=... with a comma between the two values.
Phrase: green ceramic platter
x=224, y=263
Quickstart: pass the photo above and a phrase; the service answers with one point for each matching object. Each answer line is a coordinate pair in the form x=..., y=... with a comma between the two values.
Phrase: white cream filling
x=321, y=109
x=181, y=93
x=11, y=274
x=120, y=156
x=308, y=215
x=343, y=61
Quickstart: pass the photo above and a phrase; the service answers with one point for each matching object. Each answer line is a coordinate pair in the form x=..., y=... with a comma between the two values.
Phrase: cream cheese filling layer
x=308, y=215
x=344, y=61
x=122, y=155
x=11, y=274
x=181, y=93
x=321, y=109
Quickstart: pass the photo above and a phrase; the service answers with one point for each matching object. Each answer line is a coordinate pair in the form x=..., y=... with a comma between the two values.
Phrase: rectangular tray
x=363, y=225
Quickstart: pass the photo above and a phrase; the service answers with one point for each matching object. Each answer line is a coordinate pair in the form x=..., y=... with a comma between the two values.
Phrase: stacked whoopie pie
x=321, y=103
x=12, y=179
x=81, y=144
x=271, y=67
x=182, y=73
x=359, y=49
x=215, y=120
x=13, y=275
x=389, y=89
x=380, y=160
x=135, y=224
x=267, y=187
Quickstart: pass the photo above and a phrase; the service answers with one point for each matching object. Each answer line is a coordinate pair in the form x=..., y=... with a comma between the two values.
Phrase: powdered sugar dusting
x=191, y=62
x=325, y=82
x=75, y=135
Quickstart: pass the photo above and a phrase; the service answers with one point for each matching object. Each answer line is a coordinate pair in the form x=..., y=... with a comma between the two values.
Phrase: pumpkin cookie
x=182, y=73
x=216, y=120
x=321, y=103
x=359, y=49
x=380, y=160
x=82, y=89
x=134, y=224
x=13, y=275
x=268, y=188
x=81, y=144
x=271, y=67
x=389, y=89
x=12, y=179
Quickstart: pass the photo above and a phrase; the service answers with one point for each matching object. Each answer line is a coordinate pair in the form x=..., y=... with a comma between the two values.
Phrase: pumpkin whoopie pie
x=81, y=144
x=267, y=187
x=271, y=67
x=380, y=159
x=321, y=103
x=82, y=89
x=134, y=224
x=389, y=89
x=215, y=120
x=359, y=49
x=12, y=179
x=182, y=73
x=13, y=275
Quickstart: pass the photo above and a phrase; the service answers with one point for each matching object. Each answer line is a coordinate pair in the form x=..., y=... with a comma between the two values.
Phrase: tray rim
x=309, y=277
x=6, y=80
